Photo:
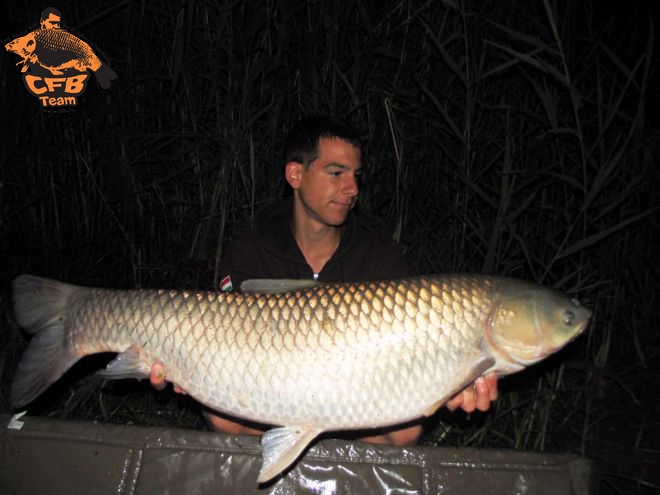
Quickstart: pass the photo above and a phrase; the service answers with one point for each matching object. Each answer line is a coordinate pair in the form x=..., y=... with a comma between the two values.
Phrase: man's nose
x=351, y=187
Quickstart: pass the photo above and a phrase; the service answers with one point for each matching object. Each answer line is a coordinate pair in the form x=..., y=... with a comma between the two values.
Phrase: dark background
x=509, y=137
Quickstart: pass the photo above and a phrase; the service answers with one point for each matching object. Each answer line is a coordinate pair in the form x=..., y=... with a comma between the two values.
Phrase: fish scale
x=308, y=357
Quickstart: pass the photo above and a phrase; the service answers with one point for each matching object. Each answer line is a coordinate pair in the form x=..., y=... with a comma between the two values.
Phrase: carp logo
x=56, y=63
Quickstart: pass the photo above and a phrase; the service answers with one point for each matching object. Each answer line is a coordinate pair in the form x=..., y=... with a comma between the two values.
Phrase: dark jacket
x=269, y=250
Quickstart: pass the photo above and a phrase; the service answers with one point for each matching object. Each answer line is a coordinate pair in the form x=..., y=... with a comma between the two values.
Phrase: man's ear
x=293, y=174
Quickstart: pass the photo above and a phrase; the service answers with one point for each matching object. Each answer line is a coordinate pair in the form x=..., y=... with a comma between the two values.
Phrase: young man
x=317, y=235
x=50, y=19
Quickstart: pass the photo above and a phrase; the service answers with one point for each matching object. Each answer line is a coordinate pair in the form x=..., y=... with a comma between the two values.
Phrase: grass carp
x=304, y=356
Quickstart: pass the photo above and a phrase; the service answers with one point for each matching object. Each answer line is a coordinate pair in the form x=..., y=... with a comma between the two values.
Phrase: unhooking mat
x=47, y=456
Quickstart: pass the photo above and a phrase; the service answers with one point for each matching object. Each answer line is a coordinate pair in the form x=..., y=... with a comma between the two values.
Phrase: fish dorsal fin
x=274, y=286
x=280, y=447
x=481, y=366
x=127, y=364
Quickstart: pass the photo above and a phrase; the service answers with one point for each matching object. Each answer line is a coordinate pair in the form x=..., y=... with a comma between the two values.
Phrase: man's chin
x=336, y=220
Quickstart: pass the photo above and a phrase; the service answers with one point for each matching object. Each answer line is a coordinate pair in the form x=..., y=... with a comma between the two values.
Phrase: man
x=317, y=235
x=50, y=19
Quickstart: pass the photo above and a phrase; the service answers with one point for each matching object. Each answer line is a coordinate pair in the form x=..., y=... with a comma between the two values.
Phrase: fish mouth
x=547, y=347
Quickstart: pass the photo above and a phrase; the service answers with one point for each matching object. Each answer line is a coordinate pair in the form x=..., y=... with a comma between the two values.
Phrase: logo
x=57, y=64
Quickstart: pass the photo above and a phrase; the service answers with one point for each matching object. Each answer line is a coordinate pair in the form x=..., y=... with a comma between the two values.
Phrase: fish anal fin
x=482, y=365
x=280, y=447
x=127, y=364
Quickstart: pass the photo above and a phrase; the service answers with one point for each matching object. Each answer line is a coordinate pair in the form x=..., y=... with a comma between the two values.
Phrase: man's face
x=52, y=22
x=328, y=189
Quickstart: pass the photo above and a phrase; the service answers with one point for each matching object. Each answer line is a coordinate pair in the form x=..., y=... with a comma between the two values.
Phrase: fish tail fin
x=39, y=305
x=104, y=75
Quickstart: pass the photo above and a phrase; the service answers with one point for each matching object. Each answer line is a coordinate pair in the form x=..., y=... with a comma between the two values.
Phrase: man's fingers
x=158, y=381
x=469, y=399
x=157, y=377
x=455, y=402
x=477, y=395
x=482, y=401
x=491, y=380
x=486, y=388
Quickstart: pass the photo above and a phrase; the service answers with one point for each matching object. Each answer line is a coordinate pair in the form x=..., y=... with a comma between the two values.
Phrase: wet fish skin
x=311, y=359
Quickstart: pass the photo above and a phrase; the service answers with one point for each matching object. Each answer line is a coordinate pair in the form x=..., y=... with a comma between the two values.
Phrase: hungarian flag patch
x=225, y=284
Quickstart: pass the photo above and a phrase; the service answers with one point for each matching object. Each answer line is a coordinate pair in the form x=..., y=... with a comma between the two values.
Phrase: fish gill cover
x=56, y=63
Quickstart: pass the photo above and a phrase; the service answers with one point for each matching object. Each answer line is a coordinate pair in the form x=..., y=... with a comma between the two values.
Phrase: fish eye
x=569, y=317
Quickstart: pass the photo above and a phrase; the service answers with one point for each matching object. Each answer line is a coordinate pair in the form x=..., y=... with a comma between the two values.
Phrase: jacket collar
x=274, y=232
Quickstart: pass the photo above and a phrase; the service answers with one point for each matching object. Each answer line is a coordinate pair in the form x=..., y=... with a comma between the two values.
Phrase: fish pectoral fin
x=280, y=447
x=127, y=364
x=483, y=364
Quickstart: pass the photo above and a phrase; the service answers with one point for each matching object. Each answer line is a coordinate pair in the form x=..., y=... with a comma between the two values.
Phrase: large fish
x=57, y=50
x=304, y=356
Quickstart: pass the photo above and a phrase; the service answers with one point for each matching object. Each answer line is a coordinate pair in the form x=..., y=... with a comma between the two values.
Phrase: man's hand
x=477, y=395
x=157, y=378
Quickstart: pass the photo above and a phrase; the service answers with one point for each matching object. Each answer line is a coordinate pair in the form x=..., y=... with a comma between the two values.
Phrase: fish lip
x=551, y=349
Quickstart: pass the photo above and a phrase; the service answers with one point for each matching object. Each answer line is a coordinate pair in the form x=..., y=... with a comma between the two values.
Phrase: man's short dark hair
x=50, y=10
x=302, y=143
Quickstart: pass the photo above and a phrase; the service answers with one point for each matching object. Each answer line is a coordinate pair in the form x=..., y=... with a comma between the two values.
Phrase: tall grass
x=505, y=137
